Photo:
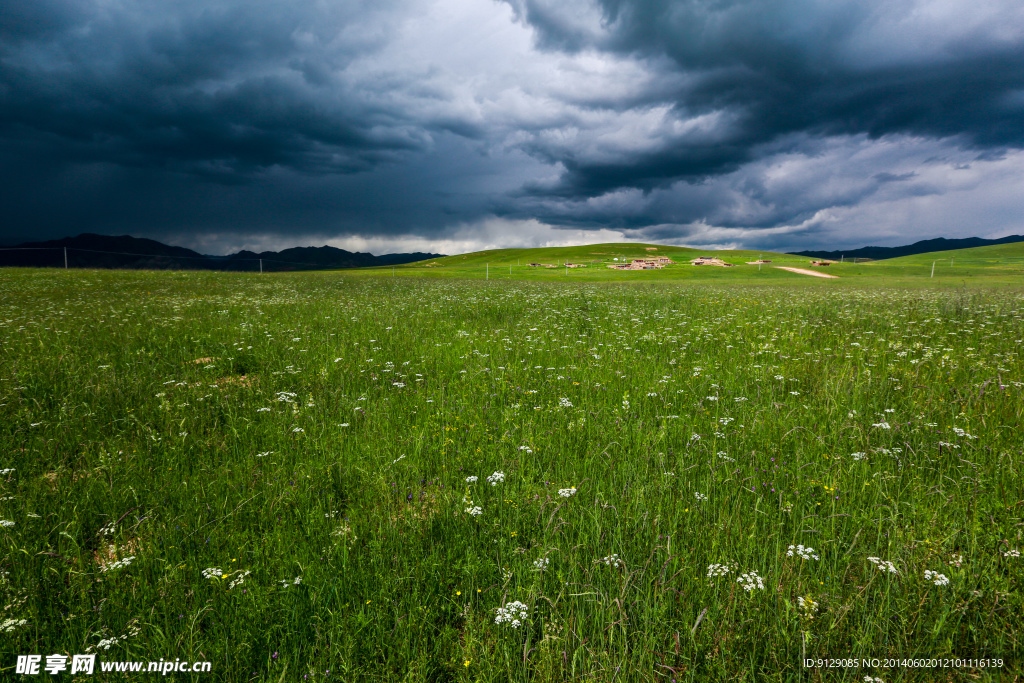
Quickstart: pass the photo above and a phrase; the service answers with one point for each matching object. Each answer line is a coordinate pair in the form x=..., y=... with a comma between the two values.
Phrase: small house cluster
x=710, y=261
x=542, y=265
x=820, y=263
x=754, y=263
x=643, y=264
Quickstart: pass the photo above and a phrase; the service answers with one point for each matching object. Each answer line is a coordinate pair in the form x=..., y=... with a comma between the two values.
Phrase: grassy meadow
x=991, y=266
x=431, y=476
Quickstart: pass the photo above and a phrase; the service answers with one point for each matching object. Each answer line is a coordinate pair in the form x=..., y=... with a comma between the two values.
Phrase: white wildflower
x=496, y=477
x=476, y=511
x=513, y=614
x=716, y=570
x=612, y=560
x=212, y=573
x=750, y=582
x=470, y=479
x=936, y=578
x=541, y=564
x=239, y=580
x=808, y=606
x=10, y=624
x=118, y=565
x=567, y=493
x=804, y=553
x=960, y=432
x=883, y=565
x=1012, y=553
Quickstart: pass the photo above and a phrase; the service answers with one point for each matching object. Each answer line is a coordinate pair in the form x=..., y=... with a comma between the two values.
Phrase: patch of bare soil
x=804, y=271
x=235, y=381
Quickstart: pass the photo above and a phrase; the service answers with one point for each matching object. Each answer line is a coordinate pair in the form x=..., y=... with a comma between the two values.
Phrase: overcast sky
x=456, y=125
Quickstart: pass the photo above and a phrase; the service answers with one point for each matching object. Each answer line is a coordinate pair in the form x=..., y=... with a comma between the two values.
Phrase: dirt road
x=804, y=271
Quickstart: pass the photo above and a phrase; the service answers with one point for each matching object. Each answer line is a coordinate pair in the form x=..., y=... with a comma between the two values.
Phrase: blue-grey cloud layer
x=662, y=119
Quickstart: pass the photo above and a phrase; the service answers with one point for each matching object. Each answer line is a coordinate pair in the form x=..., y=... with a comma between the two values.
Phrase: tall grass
x=317, y=431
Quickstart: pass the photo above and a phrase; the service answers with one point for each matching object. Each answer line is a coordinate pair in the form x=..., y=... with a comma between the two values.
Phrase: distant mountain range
x=922, y=247
x=106, y=251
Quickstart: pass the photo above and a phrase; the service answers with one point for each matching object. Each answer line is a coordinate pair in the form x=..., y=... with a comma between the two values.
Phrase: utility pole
x=261, y=266
x=933, y=269
x=392, y=271
x=841, y=257
x=488, y=275
x=65, y=258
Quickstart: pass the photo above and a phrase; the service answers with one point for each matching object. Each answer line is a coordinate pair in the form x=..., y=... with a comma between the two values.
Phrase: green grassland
x=1008, y=256
x=694, y=474
x=983, y=266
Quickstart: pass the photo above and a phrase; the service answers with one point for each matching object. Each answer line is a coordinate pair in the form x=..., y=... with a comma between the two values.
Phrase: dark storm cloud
x=776, y=68
x=215, y=88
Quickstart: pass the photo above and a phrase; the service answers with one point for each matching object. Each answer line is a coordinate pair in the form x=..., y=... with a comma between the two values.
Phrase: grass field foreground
x=339, y=477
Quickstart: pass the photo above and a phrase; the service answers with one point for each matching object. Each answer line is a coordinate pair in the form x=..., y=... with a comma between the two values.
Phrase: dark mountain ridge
x=922, y=247
x=89, y=250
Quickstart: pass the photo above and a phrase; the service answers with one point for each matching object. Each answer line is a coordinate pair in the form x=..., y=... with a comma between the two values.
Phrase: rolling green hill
x=595, y=255
x=990, y=265
x=999, y=255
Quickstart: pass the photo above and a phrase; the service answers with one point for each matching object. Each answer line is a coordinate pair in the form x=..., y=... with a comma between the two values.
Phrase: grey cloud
x=785, y=67
x=786, y=185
